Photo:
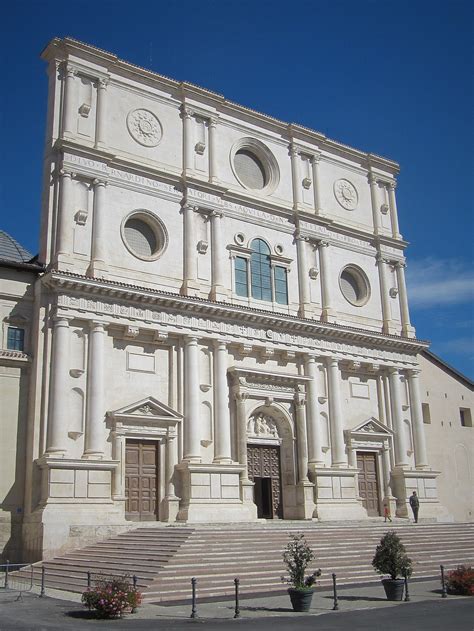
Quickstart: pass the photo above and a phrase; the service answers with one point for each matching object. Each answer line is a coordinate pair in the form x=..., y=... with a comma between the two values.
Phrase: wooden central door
x=141, y=480
x=368, y=482
x=264, y=470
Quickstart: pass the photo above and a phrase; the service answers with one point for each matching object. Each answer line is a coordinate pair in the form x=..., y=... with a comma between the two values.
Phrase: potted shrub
x=391, y=558
x=297, y=556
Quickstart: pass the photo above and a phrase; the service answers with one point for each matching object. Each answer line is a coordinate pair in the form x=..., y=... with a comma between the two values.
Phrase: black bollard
x=407, y=595
x=88, y=579
x=6, y=573
x=135, y=581
x=237, y=609
x=193, y=609
x=334, y=589
x=444, y=593
x=43, y=572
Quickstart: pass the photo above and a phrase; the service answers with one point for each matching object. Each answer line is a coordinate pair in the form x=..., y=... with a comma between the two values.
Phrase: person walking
x=415, y=505
x=386, y=511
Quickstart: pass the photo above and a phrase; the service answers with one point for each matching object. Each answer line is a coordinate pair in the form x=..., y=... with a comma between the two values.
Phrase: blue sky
x=390, y=77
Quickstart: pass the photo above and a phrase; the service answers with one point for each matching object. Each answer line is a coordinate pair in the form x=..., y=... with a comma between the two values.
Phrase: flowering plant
x=461, y=581
x=297, y=556
x=110, y=597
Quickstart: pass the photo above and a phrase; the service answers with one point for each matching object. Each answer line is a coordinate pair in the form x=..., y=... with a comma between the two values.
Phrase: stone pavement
x=352, y=598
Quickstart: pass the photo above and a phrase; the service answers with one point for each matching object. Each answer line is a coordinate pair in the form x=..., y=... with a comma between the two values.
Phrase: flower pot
x=393, y=588
x=301, y=598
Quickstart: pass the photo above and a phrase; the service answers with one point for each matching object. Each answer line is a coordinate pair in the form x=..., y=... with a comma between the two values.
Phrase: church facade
x=221, y=330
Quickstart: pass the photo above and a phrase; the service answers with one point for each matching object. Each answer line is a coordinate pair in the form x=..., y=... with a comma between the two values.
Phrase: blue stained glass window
x=261, y=271
x=15, y=339
x=241, y=279
x=281, y=286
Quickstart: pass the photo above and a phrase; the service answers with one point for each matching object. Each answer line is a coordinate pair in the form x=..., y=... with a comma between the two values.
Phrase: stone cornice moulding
x=63, y=48
x=290, y=329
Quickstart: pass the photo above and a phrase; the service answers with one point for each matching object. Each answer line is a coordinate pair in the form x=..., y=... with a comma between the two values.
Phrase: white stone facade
x=156, y=327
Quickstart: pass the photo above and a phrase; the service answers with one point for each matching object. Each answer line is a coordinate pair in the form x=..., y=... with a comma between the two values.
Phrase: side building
x=222, y=330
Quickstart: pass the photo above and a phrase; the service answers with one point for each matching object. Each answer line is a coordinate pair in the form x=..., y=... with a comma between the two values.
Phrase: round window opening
x=354, y=286
x=144, y=235
x=250, y=170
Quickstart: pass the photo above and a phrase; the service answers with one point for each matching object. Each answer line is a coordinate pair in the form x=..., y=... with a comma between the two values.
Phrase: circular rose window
x=354, y=285
x=144, y=235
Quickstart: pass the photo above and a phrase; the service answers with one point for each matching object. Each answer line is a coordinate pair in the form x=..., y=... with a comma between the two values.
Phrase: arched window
x=261, y=280
x=261, y=270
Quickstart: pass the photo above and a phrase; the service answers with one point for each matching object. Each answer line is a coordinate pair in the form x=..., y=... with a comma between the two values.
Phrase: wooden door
x=141, y=480
x=368, y=482
x=264, y=470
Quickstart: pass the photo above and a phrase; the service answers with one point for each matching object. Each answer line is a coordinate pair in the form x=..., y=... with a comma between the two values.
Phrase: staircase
x=165, y=559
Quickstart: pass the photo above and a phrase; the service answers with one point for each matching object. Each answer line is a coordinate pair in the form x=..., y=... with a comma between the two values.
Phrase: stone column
x=240, y=398
x=386, y=469
x=312, y=414
x=212, y=125
x=374, y=198
x=327, y=310
x=384, y=294
x=393, y=210
x=421, y=460
x=97, y=264
x=407, y=329
x=192, y=429
x=118, y=475
x=190, y=285
x=58, y=400
x=295, y=176
x=338, y=455
x=188, y=144
x=65, y=229
x=69, y=101
x=217, y=264
x=316, y=183
x=171, y=457
x=101, y=117
x=222, y=446
x=303, y=284
x=397, y=418
x=94, y=438
x=302, y=442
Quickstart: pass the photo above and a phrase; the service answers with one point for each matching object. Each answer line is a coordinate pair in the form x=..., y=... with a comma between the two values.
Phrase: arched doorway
x=264, y=458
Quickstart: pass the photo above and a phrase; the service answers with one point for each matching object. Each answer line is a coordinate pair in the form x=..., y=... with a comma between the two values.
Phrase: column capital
x=63, y=173
x=413, y=373
x=332, y=361
x=300, y=399
x=400, y=264
x=393, y=370
x=187, y=112
x=190, y=207
x=240, y=396
x=220, y=344
x=323, y=244
x=381, y=258
x=373, y=179
x=61, y=320
x=97, y=325
x=294, y=150
x=69, y=72
x=98, y=183
x=103, y=83
x=212, y=122
x=216, y=214
x=315, y=158
x=190, y=340
x=392, y=185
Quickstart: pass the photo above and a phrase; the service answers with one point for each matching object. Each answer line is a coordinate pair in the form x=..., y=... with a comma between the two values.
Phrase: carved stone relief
x=144, y=127
x=346, y=194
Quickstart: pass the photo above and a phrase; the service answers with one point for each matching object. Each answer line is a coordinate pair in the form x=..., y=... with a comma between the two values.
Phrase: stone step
x=215, y=555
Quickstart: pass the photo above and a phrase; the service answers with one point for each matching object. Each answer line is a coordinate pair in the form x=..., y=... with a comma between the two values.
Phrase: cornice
x=195, y=306
x=14, y=356
x=61, y=48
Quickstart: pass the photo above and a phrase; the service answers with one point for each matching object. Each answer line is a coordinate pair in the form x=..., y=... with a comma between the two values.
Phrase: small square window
x=426, y=413
x=465, y=417
x=15, y=339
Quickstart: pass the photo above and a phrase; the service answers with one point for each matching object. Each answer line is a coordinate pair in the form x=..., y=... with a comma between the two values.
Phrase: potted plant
x=297, y=556
x=391, y=558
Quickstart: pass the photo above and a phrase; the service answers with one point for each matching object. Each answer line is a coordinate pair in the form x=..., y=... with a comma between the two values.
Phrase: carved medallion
x=144, y=127
x=346, y=194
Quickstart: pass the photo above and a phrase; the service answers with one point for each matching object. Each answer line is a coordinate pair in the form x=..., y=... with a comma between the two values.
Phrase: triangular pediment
x=149, y=407
x=371, y=426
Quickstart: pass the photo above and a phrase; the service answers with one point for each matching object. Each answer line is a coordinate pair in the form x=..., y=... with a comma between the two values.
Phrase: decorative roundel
x=144, y=127
x=346, y=194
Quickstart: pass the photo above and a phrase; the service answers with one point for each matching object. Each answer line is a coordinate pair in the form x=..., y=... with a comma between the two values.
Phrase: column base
x=306, y=310
x=405, y=481
x=305, y=500
x=218, y=294
x=328, y=315
x=408, y=331
x=212, y=493
x=336, y=494
x=97, y=269
x=190, y=288
x=170, y=508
